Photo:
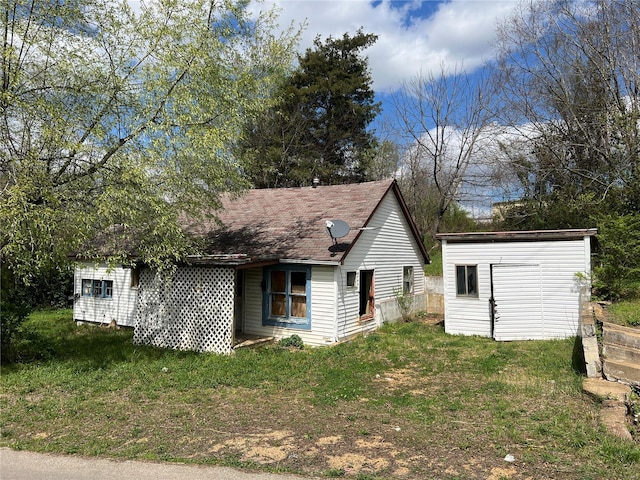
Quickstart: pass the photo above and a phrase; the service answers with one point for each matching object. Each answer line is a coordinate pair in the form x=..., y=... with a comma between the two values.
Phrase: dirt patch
x=400, y=379
x=500, y=473
x=274, y=446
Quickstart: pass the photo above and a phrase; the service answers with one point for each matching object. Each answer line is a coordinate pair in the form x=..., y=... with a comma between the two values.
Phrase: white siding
x=386, y=249
x=559, y=262
x=323, y=308
x=519, y=306
x=120, y=307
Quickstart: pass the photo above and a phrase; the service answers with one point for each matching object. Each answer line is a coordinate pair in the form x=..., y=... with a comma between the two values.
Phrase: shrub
x=294, y=341
x=617, y=273
x=12, y=316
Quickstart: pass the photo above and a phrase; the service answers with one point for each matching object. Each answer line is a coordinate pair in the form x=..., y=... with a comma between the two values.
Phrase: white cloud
x=413, y=36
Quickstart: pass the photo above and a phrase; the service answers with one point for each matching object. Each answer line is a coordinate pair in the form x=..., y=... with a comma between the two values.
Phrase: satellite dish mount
x=337, y=229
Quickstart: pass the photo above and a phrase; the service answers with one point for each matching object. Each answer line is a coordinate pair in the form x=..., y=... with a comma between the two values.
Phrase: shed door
x=517, y=295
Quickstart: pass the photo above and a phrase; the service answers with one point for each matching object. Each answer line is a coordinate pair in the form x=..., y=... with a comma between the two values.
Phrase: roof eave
x=518, y=236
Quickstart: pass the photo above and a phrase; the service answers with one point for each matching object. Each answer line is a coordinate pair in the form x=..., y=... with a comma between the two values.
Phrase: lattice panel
x=191, y=310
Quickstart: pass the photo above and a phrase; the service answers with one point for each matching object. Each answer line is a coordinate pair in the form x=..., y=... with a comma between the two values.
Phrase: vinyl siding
x=120, y=307
x=519, y=305
x=386, y=249
x=323, y=308
x=558, y=262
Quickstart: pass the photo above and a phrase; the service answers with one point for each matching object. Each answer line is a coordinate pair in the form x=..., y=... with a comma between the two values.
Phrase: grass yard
x=407, y=402
x=625, y=312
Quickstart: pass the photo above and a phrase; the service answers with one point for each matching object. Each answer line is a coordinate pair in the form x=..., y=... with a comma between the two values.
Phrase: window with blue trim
x=97, y=288
x=287, y=297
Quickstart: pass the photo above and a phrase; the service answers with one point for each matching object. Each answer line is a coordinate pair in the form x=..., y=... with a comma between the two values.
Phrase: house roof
x=290, y=223
x=518, y=236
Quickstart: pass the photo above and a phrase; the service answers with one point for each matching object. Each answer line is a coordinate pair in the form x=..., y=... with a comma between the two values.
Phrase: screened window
x=287, y=297
x=97, y=288
x=467, y=280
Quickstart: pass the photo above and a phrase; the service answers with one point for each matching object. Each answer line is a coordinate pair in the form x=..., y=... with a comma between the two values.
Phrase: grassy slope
x=626, y=312
x=408, y=401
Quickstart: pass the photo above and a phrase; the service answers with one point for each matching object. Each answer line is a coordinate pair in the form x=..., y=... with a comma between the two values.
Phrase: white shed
x=525, y=285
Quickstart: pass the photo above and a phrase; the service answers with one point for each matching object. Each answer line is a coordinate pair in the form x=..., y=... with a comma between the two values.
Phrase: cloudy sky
x=414, y=36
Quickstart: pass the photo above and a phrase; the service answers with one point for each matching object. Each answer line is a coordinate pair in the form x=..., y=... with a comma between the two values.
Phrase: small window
x=467, y=280
x=107, y=289
x=87, y=287
x=407, y=280
x=97, y=288
x=351, y=279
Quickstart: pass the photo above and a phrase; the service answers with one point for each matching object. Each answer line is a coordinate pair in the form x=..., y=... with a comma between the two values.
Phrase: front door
x=517, y=302
x=367, y=295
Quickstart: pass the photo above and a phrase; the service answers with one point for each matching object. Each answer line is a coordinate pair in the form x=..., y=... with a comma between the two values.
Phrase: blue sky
x=414, y=36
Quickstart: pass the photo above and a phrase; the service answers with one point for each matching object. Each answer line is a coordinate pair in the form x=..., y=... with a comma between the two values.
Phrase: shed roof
x=290, y=223
x=518, y=236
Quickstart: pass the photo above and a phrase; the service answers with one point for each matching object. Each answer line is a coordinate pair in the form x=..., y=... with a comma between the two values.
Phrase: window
x=367, y=298
x=97, y=288
x=351, y=279
x=87, y=287
x=407, y=280
x=467, y=280
x=287, y=297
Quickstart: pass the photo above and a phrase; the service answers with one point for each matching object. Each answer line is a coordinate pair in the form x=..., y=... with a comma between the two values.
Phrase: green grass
x=406, y=401
x=626, y=312
x=434, y=269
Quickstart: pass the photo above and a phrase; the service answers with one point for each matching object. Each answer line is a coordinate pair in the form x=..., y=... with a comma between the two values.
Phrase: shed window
x=97, y=288
x=467, y=280
x=287, y=297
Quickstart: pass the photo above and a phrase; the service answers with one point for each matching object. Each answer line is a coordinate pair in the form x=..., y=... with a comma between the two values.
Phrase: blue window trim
x=90, y=285
x=286, y=321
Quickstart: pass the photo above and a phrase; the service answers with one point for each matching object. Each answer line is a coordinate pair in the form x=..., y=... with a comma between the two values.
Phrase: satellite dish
x=337, y=228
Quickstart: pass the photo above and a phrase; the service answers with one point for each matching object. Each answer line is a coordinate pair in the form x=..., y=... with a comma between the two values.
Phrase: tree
x=319, y=128
x=113, y=123
x=445, y=120
x=570, y=73
x=570, y=76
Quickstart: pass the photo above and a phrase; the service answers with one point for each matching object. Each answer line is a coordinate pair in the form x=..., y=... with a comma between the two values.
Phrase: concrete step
x=600, y=388
x=618, y=352
x=618, y=370
x=619, y=335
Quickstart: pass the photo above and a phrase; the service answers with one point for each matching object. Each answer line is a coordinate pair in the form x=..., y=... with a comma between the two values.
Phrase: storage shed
x=524, y=285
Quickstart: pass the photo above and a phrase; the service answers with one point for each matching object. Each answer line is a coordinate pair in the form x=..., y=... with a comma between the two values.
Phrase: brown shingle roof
x=290, y=223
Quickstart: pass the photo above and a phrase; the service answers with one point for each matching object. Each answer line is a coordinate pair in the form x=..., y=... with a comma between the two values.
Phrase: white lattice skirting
x=191, y=310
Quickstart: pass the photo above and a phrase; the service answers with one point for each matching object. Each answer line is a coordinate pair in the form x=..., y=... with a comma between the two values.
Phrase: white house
x=104, y=294
x=325, y=263
x=516, y=285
